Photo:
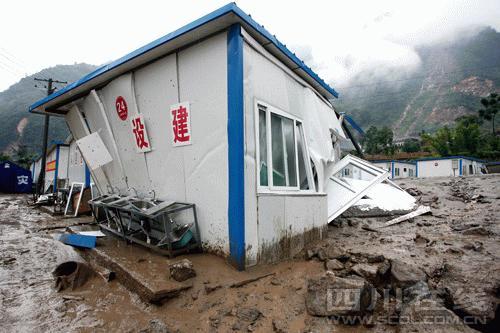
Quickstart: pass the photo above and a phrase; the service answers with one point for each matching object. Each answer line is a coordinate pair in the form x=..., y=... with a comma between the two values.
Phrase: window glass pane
x=304, y=184
x=263, y=148
x=278, y=152
x=291, y=164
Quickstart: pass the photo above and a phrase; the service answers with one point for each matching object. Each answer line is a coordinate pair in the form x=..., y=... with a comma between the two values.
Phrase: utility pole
x=41, y=177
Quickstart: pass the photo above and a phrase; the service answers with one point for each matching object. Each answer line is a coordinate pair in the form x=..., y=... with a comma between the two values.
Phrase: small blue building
x=14, y=179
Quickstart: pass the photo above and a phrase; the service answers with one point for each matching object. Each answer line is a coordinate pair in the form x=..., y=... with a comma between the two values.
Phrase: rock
x=454, y=250
x=209, y=288
x=477, y=246
x=478, y=231
x=352, y=223
x=182, y=270
x=367, y=271
x=428, y=316
x=321, y=255
x=279, y=326
x=250, y=315
x=419, y=239
x=275, y=281
x=404, y=275
x=334, y=296
x=310, y=254
x=333, y=265
x=374, y=258
x=474, y=302
x=414, y=192
x=383, y=269
x=156, y=326
x=333, y=252
x=418, y=291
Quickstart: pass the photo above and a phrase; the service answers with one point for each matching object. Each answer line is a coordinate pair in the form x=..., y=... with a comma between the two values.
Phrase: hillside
x=20, y=128
x=448, y=83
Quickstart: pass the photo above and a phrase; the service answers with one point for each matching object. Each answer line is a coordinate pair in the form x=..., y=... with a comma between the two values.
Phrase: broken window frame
x=378, y=174
x=298, y=129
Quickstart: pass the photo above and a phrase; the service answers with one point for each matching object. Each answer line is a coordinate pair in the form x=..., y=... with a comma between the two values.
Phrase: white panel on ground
x=341, y=194
x=94, y=151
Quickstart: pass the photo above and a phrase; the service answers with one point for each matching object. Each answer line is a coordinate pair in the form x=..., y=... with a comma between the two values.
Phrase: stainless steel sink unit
x=167, y=227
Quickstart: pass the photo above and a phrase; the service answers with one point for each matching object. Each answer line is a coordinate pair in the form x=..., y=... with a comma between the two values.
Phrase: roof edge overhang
x=203, y=27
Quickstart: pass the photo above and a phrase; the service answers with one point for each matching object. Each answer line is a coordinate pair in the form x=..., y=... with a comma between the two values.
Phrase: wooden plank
x=420, y=211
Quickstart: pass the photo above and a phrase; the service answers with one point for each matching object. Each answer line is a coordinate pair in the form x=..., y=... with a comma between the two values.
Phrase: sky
x=336, y=38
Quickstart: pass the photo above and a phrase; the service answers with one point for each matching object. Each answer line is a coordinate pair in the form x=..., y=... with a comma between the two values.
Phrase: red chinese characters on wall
x=121, y=108
x=142, y=143
x=181, y=124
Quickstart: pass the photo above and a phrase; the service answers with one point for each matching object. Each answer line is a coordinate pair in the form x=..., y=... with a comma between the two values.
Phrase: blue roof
x=395, y=161
x=230, y=8
x=449, y=158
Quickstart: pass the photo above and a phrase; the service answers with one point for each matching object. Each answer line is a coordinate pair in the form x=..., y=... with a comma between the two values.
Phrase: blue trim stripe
x=416, y=169
x=450, y=157
x=460, y=162
x=56, y=172
x=392, y=170
x=87, y=175
x=230, y=8
x=236, y=147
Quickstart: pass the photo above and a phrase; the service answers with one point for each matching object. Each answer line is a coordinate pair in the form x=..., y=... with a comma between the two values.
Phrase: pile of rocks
x=357, y=286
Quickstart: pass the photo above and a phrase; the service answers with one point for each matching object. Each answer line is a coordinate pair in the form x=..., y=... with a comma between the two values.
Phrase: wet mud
x=457, y=247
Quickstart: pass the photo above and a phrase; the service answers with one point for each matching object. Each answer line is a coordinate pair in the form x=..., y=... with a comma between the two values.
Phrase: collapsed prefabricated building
x=218, y=113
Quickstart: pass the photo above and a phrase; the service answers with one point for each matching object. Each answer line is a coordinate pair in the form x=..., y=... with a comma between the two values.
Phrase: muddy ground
x=457, y=247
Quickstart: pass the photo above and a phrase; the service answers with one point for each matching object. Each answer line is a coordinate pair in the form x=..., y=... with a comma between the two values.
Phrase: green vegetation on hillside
x=447, y=85
x=14, y=103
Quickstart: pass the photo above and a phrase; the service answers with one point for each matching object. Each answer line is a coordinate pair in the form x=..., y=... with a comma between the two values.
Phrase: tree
x=378, y=141
x=23, y=157
x=442, y=141
x=411, y=146
x=4, y=157
x=466, y=135
x=491, y=106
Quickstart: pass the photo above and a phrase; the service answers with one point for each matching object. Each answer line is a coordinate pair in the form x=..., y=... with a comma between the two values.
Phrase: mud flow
x=433, y=273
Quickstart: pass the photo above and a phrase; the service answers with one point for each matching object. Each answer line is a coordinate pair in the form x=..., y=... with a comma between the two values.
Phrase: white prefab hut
x=398, y=169
x=64, y=165
x=450, y=166
x=218, y=113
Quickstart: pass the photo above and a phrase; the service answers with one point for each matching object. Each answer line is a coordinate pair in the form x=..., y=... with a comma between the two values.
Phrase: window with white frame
x=396, y=171
x=282, y=152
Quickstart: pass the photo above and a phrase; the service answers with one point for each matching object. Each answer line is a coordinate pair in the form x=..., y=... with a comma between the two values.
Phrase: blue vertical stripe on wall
x=460, y=167
x=392, y=170
x=87, y=175
x=57, y=168
x=416, y=169
x=236, y=147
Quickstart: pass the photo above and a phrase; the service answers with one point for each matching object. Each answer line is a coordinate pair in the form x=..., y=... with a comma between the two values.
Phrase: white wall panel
x=134, y=164
x=156, y=89
x=203, y=83
x=98, y=122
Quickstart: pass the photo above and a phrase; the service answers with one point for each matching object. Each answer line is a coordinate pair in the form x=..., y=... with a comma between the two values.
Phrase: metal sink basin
x=142, y=205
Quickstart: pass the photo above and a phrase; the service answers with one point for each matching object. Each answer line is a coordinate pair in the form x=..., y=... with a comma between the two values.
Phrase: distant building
x=398, y=169
x=64, y=165
x=451, y=166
